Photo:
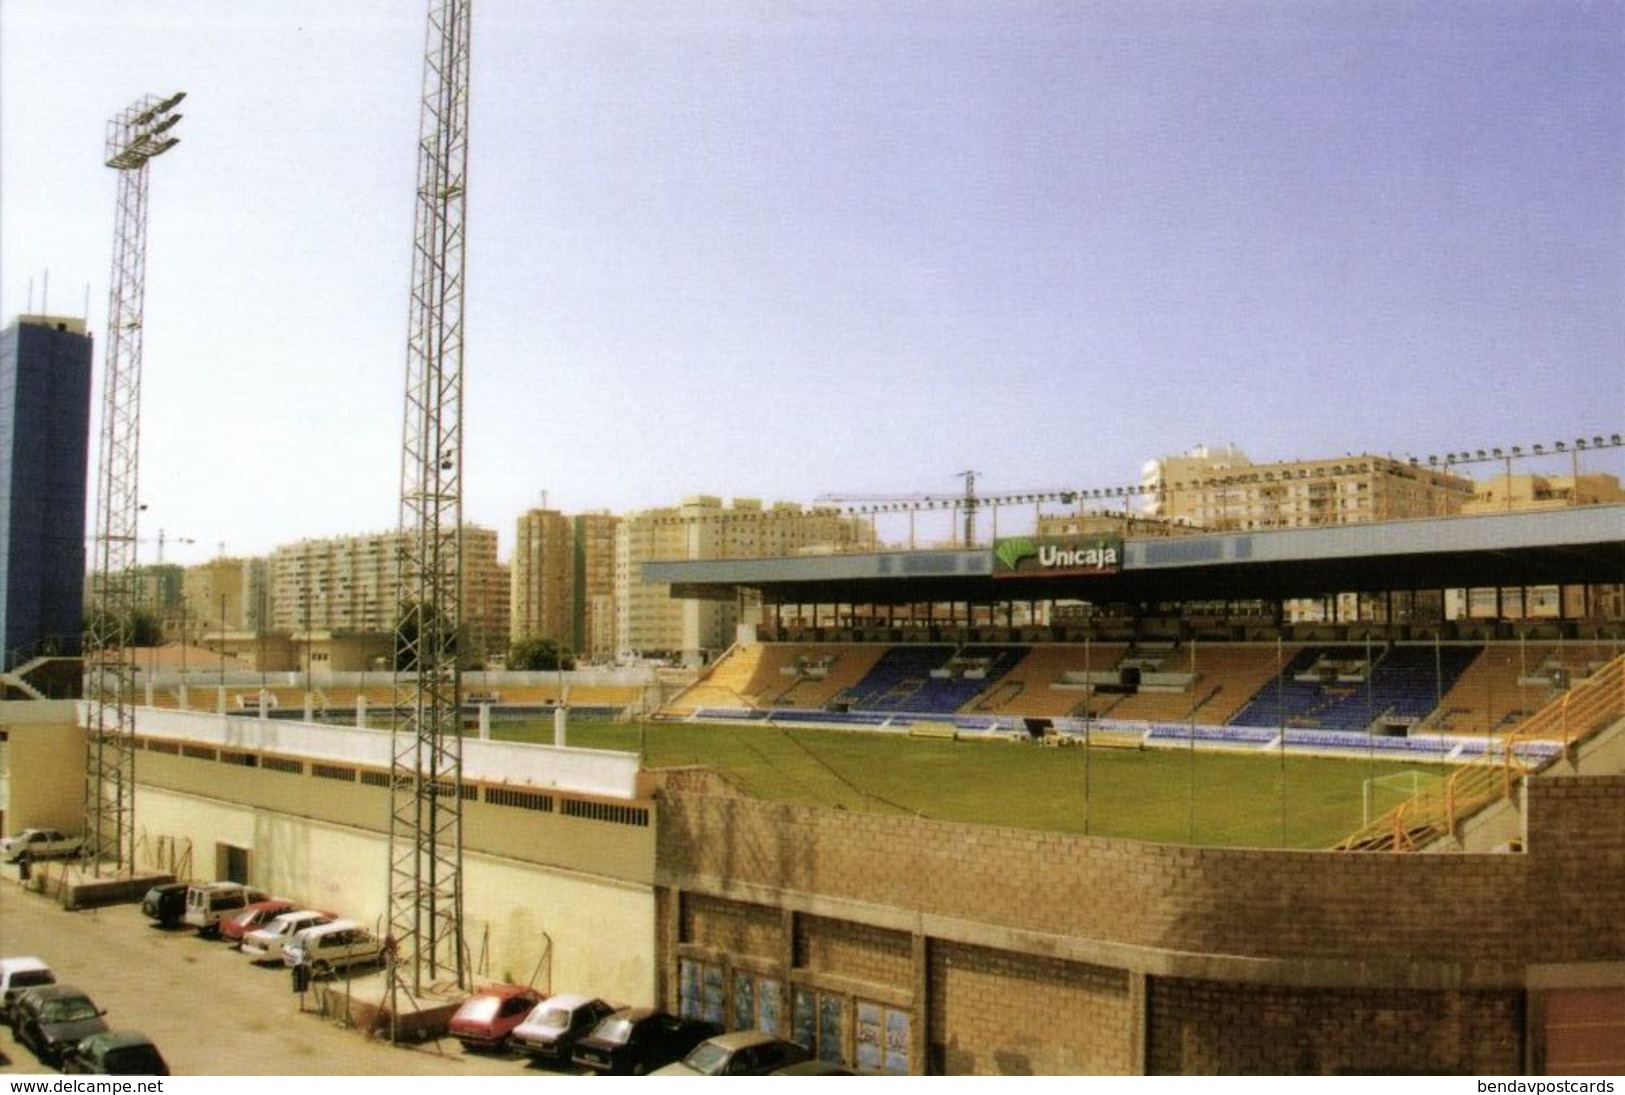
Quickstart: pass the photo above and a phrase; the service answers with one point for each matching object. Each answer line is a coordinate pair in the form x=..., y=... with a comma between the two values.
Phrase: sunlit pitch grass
x=1178, y=795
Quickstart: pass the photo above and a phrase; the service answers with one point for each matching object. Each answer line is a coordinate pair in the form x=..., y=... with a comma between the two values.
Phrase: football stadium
x=1116, y=783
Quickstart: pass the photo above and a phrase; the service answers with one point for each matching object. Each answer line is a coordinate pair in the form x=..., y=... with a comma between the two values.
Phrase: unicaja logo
x=1023, y=555
x=1093, y=558
x=1012, y=552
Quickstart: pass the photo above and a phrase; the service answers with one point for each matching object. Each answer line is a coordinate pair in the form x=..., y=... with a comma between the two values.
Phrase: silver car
x=266, y=944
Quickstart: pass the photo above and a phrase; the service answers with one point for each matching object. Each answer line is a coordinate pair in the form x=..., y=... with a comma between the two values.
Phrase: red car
x=257, y=915
x=487, y=1018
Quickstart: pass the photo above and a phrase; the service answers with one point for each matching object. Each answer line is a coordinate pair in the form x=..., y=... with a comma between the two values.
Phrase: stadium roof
x=1576, y=546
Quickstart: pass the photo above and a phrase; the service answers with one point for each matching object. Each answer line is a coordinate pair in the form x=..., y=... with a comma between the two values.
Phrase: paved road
x=206, y=1007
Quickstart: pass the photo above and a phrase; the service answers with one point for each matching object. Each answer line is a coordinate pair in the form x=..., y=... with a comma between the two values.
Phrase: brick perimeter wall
x=1266, y=904
x=741, y=931
x=1210, y=1028
x=1576, y=852
x=996, y=1013
x=1168, y=959
x=857, y=951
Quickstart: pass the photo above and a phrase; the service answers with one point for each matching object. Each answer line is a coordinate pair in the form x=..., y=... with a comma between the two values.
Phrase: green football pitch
x=1170, y=795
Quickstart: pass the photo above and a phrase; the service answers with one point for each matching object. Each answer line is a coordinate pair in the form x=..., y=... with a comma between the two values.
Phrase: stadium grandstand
x=893, y=637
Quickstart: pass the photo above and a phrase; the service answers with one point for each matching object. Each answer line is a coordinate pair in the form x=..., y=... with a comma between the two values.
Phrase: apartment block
x=348, y=584
x=1222, y=490
x=543, y=578
x=651, y=623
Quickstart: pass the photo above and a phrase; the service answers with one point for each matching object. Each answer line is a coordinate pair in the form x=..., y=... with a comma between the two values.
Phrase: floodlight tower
x=426, y=817
x=134, y=137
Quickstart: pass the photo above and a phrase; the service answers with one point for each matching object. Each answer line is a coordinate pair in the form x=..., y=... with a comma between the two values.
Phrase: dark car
x=737, y=1053
x=165, y=903
x=51, y=1019
x=116, y=1053
x=636, y=1041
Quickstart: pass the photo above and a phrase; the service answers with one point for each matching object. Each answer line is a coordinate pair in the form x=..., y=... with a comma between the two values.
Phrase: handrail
x=1584, y=709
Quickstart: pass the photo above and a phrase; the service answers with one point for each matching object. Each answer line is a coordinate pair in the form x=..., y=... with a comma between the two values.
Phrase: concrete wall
x=45, y=753
x=565, y=898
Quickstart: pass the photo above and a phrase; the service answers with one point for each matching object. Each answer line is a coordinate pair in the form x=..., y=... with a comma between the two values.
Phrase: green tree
x=534, y=654
x=141, y=627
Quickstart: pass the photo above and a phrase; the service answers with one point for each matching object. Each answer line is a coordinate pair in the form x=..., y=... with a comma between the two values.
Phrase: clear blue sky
x=783, y=249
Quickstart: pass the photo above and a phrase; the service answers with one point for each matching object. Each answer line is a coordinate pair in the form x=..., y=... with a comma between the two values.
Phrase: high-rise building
x=224, y=594
x=45, y=373
x=347, y=584
x=651, y=623
x=594, y=625
x=542, y=603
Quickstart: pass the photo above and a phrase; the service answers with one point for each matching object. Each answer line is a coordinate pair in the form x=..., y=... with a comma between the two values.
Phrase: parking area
x=206, y=1007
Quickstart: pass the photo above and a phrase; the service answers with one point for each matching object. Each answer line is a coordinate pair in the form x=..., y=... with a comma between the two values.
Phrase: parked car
x=553, y=1026
x=636, y=1041
x=49, y=1019
x=266, y=944
x=165, y=903
x=737, y=1053
x=207, y=903
x=17, y=974
x=333, y=947
x=485, y=1019
x=252, y=917
x=116, y=1053
x=33, y=844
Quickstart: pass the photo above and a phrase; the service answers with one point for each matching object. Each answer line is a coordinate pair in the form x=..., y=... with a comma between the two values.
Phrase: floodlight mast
x=135, y=137
x=426, y=815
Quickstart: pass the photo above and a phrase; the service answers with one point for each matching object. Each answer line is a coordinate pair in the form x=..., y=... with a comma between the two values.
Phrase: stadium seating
x=1333, y=688
x=930, y=678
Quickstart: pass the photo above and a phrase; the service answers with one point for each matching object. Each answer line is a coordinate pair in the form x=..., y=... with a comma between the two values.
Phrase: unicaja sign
x=1029, y=556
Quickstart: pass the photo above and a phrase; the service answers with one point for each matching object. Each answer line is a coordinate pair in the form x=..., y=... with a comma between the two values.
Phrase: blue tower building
x=45, y=372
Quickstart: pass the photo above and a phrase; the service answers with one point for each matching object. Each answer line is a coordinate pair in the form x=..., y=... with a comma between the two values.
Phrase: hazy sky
x=784, y=249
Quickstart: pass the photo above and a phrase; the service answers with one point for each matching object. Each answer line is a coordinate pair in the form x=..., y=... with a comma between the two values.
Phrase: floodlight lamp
x=1559, y=446
x=171, y=103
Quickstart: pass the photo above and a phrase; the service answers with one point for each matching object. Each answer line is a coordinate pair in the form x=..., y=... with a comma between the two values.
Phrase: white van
x=208, y=902
x=335, y=946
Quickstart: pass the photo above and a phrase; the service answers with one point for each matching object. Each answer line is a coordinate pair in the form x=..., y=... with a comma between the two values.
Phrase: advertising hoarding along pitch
x=1052, y=556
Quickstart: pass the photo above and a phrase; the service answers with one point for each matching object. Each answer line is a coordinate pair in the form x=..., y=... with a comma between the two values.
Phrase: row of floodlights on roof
x=1612, y=441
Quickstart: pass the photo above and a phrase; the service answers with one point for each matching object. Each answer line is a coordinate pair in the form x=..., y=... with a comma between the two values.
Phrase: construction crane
x=135, y=136
x=426, y=777
x=967, y=502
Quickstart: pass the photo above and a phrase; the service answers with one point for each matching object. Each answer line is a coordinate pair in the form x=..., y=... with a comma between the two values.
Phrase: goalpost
x=1380, y=794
